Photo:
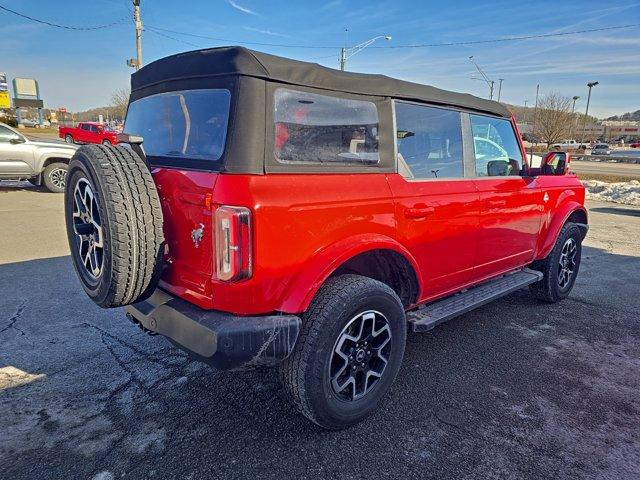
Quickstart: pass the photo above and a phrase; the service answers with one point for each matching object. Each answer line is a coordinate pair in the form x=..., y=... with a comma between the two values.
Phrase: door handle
x=418, y=212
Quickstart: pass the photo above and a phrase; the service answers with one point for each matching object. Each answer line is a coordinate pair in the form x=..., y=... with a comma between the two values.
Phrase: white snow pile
x=619, y=192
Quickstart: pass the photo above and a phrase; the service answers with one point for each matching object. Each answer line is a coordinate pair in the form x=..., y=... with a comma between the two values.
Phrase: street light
x=573, y=120
x=586, y=112
x=346, y=53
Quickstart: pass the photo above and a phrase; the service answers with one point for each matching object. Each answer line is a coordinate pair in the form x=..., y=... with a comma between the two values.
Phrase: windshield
x=185, y=128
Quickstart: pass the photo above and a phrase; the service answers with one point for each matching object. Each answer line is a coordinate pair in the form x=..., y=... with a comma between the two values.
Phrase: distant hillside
x=633, y=116
x=93, y=114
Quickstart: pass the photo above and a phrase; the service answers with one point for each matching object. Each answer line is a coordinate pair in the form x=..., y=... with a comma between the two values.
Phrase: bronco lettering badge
x=197, y=234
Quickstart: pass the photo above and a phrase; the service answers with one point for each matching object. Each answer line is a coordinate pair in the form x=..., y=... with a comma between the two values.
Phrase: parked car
x=635, y=145
x=601, y=149
x=569, y=145
x=284, y=213
x=88, y=132
x=42, y=163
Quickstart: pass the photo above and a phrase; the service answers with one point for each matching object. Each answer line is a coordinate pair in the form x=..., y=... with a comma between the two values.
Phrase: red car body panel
x=454, y=233
x=97, y=134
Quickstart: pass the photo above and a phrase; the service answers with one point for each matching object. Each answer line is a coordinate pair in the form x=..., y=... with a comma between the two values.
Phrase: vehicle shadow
x=617, y=211
x=22, y=186
x=538, y=386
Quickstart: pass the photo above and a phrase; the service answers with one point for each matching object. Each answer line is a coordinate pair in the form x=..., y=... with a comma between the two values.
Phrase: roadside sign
x=5, y=100
x=3, y=82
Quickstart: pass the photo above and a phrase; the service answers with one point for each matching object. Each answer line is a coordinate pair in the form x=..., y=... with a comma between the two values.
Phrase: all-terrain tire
x=306, y=373
x=549, y=289
x=54, y=177
x=114, y=182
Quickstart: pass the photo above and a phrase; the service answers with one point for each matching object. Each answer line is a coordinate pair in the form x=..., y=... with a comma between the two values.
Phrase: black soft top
x=226, y=61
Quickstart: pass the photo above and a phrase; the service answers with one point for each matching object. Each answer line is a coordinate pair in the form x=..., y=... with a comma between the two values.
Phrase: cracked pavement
x=515, y=389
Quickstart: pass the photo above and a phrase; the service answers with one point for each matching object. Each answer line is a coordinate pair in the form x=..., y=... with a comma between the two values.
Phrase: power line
x=511, y=39
x=153, y=30
x=416, y=45
x=57, y=25
x=284, y=45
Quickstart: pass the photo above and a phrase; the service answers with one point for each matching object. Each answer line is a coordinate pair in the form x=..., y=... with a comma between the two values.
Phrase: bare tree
x=119, y=102
x=554, y=119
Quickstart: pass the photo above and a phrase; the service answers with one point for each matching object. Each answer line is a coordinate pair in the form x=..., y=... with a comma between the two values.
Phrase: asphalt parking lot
x=516, y=389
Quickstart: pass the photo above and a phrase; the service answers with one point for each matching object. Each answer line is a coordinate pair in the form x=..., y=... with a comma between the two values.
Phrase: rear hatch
x=184, y=141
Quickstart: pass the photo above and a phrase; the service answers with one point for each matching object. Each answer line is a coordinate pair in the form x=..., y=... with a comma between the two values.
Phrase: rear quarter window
x=321, y=129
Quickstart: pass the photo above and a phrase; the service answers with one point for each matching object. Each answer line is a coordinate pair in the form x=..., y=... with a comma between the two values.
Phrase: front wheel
x=106, y=143
x=560, y=268
x=349, y=351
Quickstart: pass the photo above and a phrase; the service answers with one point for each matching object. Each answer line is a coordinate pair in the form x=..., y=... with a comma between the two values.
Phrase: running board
x=433, y=314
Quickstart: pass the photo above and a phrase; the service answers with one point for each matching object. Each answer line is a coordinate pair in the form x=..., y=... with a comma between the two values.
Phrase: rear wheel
x=560, y=268
x=114, y=225
x=349, y=351
x=106, y=142
x=68, y=138
x=54, y=177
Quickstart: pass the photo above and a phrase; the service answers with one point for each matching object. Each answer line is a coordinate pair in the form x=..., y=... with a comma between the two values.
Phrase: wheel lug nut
x=353, y=368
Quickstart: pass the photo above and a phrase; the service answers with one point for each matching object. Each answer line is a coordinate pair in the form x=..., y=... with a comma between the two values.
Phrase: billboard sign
x=4, y=87
x=25, y=87
x=5, y=101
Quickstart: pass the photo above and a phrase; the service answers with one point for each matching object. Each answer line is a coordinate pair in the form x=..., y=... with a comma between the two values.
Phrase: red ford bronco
x=268, y=211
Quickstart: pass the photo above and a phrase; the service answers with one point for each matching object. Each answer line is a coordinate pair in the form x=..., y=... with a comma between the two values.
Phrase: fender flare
x=43, y=157
x=326, y=261
x=568, y=207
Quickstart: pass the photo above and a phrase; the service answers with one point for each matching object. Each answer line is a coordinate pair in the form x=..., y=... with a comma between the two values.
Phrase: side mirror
x=17, y=140
x=555, y=163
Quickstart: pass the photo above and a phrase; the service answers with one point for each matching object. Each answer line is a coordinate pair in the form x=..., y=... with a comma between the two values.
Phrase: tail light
x=233, y=243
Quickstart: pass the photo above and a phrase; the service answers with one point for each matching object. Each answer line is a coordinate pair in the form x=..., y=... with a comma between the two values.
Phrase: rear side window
x=312, y=128
x=497, y=150
x=182, y=128
x=429, y=141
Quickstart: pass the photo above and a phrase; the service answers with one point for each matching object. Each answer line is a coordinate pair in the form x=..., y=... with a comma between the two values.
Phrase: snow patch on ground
x=619, y=192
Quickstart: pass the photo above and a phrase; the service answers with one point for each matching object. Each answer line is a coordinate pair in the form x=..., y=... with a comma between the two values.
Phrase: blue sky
x=80, y=69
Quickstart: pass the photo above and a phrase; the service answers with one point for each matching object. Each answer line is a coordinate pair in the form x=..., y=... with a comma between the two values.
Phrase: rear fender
x=567, y=205
x=326, y=261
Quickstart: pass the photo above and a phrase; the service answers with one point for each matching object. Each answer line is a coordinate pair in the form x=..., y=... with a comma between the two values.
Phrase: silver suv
x=42, y=163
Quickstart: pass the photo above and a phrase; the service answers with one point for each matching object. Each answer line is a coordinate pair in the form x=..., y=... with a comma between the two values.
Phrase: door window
x=85, y=127
x=312, y=128
x=6, y=135
x=429, y=141
x=497, y=150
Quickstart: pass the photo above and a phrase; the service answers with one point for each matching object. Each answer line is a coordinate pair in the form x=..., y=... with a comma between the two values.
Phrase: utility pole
x=535, y=116
x=343, y=58
x=586, y=113
x=137, y=62
x=500, y=88
x=484, y=77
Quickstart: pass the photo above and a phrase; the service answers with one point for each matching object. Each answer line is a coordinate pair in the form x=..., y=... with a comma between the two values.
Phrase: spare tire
x=114, y=224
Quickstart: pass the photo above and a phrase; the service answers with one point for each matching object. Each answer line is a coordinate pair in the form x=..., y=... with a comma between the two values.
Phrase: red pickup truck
x=88, y=132
x=285, y=213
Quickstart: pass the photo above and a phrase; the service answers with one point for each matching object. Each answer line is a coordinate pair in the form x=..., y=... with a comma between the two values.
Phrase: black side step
x=435, y=313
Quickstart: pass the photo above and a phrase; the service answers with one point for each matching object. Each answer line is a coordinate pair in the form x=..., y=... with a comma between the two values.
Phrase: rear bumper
x=221, y=339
